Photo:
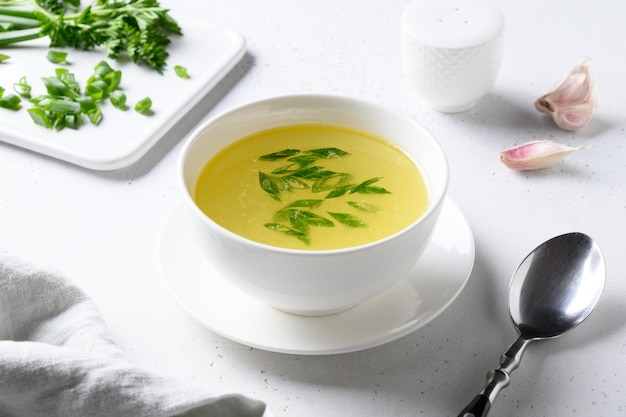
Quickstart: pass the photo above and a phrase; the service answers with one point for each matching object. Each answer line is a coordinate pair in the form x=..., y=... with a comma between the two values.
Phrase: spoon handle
x=479, y=407
x=496, y=380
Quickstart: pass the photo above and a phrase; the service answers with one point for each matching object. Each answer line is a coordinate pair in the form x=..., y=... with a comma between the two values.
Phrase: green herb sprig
x=139, y=29
x=303, y=172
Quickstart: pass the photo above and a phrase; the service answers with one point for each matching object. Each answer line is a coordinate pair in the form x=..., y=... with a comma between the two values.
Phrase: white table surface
x=100, y=228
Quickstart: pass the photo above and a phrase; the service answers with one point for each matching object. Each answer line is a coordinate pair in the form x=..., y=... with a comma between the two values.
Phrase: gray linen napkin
x=58, y=359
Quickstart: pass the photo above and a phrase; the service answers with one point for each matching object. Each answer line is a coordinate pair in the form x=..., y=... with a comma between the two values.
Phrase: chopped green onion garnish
x=112, y=80
x=347, y=219
x=58, y=123
x=40, y=117
x=118, y=100
x=72, y=121
x=101, y=69
x=63, y=106
x=96, y=90
x=61, y=71
x=41, y=100
x=87, y=104
x=68, y=79
x=144, y=106
x=181, y=71
x=279, y=155
x=362, y=206
x=57, y=57
x=95, y=115
x=11, y=102
x=22, y=88
x=300, y=172
x=55, y=86
x=4, y=57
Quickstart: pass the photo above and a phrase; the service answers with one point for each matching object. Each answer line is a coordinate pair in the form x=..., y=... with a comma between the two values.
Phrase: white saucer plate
x=433, y=284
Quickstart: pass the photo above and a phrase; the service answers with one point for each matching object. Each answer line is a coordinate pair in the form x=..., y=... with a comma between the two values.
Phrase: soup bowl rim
x=195, y=136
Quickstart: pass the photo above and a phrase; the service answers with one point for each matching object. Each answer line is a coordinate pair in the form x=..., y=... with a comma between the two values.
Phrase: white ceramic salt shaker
x=452, y=51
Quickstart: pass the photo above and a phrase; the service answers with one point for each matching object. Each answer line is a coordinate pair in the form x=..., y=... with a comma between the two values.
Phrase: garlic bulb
x=536, y=155
x=572, y=103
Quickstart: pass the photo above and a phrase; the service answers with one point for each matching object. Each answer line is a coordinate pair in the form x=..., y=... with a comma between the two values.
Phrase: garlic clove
x=536, y=155
x=572, y=103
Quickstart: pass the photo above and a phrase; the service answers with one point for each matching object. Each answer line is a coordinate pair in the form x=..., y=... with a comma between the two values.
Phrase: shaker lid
x=452, y=23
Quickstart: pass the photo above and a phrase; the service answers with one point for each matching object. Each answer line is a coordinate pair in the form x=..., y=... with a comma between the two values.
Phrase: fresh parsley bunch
x=140, y=29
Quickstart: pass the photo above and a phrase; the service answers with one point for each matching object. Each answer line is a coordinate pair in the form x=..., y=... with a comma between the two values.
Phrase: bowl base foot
x=454, y=109
x=313, y=313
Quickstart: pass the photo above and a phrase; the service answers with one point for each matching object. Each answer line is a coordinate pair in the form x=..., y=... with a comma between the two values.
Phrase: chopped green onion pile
x=65, y=104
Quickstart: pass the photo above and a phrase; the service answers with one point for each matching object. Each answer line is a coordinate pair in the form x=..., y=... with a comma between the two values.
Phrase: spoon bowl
x=553, y=290
x=556, y=286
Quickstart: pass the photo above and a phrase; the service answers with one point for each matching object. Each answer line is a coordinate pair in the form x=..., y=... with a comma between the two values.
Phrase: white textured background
x=100, y=229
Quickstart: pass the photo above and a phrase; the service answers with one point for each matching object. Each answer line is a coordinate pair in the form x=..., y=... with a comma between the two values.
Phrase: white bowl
x=312, y=282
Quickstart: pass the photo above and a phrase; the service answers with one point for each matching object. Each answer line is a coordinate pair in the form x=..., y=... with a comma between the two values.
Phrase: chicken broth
x=312, y=186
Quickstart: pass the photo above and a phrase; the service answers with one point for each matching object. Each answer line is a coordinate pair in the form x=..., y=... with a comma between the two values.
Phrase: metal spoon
x=553, y=290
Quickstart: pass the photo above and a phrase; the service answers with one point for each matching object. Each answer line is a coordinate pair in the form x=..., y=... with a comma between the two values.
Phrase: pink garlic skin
x=535, y=155
x=572, y=103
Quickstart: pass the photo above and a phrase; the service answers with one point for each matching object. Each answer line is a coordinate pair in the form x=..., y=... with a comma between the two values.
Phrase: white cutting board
x=123, y=137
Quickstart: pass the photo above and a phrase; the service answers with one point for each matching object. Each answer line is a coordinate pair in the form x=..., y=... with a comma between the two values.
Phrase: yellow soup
x=312, y=187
